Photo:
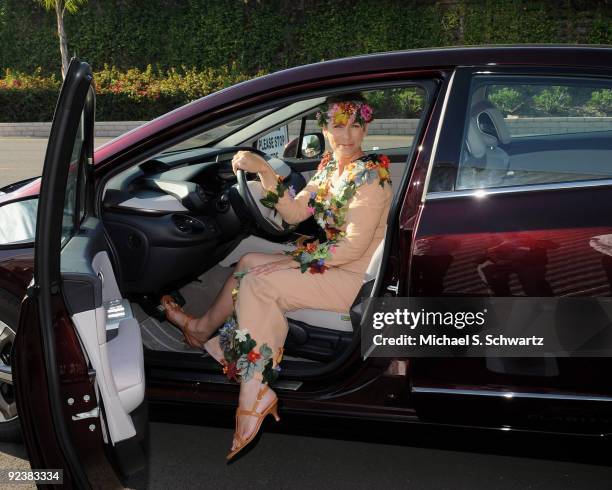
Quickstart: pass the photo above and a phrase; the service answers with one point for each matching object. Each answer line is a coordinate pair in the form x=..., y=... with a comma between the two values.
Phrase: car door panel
x=80, y=393
x=538, y=240
x=106, y=327
x=467, y=247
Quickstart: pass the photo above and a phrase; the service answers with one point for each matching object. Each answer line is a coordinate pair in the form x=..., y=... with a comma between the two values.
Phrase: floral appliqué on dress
x=329, y=207
x=241, y=360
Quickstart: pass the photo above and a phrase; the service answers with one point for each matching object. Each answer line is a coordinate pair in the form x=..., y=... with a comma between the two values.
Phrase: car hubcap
x=8, y=407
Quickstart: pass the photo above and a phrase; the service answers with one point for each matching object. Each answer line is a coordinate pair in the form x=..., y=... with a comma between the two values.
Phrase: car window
x=218, y=133
x=396, y=116
x=18, y=220
x=69, y=220
x=537, y=130
x=397, y=112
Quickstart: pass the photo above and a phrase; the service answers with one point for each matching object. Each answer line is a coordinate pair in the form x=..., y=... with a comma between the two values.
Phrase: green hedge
x=217, y=43
x=144, y=94
x=274, y=34
x=531, y=101
x=131, y=95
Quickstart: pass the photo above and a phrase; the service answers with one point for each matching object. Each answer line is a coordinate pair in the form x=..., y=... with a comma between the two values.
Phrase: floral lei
x=241, y=359
x=330, y=213
x=343, y=113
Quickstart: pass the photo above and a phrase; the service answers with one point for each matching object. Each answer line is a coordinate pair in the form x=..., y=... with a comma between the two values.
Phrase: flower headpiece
x=344, y=113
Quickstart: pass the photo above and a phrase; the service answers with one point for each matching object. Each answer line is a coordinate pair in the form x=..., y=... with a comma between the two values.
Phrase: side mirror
x=18, y=220
x=313, y=146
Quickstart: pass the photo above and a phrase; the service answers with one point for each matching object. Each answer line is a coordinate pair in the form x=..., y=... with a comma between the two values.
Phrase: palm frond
x=73, y=6
x=47, y=4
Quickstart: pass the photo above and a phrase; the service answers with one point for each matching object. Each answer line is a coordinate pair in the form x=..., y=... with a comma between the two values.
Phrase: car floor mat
x=161, y=335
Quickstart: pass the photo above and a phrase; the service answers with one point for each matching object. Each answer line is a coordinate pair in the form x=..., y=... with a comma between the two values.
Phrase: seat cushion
x=332, y=320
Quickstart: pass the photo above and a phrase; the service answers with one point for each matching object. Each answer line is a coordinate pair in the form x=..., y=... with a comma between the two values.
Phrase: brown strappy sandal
x=169, y=304
x=271, y=409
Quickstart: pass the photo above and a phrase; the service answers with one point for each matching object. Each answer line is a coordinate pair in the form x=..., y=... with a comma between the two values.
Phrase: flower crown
x=344, y=113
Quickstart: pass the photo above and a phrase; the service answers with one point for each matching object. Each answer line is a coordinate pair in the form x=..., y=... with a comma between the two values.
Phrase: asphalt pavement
x=21, y=158
x=297, y=455
x=311, y=456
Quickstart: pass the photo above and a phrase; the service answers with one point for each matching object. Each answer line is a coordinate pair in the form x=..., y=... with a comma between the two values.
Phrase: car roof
x=587, y=55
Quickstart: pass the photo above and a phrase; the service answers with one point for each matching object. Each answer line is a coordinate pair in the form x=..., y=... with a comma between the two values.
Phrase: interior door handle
x=94, y=413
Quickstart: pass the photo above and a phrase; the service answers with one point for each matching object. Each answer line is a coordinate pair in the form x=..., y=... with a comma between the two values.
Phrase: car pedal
x=151, y=306
x=178, y=297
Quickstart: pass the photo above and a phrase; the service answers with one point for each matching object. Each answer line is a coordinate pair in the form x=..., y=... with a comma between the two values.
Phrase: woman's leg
x=263, y=300
x=200, y=329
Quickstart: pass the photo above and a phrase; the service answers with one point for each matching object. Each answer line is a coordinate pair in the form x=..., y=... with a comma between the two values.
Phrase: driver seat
x=334, y=320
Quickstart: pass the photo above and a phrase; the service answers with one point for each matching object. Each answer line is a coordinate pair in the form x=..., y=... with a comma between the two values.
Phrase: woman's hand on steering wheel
x=249, y=162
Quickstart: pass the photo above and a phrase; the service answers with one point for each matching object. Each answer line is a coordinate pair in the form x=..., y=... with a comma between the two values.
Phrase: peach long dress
x=263, y=299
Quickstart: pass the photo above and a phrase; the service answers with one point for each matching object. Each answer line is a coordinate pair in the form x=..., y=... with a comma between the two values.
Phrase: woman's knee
x=246, y=261
x=253, y=259
x=259, y=285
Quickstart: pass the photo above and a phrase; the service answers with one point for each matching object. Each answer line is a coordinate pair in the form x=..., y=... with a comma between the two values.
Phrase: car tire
x=10, y=430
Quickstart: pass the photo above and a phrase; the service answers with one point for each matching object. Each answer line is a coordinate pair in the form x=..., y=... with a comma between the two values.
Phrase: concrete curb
x=104, y=129
x=398, y=127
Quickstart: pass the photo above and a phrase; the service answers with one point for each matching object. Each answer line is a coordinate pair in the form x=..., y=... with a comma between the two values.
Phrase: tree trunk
x=59, y=11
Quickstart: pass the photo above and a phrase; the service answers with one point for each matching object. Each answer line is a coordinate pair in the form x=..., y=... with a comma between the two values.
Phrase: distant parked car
x=503, y=187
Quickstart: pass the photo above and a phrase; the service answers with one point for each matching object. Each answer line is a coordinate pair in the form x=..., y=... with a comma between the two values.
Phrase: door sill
x=161, y=374
x=510, y=394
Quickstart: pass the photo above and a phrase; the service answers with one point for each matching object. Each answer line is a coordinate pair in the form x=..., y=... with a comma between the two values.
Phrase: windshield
x=219, y=132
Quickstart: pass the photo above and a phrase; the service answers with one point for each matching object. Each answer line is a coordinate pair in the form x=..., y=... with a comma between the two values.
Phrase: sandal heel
x=274, y=411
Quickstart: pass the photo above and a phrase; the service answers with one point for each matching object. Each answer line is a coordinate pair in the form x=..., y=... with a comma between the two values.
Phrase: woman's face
x=345, y=139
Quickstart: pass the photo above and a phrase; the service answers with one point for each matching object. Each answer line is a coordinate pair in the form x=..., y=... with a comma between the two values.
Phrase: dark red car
x=502, y=172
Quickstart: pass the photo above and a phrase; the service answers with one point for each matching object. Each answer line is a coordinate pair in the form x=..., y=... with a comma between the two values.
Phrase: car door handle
x=93, y=413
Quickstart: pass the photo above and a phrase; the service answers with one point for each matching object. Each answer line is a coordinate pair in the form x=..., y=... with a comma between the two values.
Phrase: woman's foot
x=256, y=401
x=194, y=335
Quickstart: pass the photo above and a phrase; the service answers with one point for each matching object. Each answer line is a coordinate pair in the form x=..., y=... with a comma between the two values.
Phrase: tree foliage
x=273, y=34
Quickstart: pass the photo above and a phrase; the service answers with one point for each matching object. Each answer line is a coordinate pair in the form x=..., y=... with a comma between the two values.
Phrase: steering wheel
x=266, y=224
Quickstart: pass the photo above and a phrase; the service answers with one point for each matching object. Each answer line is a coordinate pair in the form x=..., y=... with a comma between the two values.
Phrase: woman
x=349, y=197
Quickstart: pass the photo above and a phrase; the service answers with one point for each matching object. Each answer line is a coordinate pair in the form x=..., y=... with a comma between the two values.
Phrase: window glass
x=70, y=199
x=218, y=132
x=396, y=116
x=536, y=130
x=18, y=221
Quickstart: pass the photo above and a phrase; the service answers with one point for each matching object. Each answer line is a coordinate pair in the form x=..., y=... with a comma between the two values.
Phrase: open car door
x=78, y=358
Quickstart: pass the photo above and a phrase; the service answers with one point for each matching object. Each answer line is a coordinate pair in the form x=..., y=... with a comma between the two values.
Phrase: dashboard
x=173, y=217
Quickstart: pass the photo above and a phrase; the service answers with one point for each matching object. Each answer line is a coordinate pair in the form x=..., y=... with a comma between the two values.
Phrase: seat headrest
x=496, y=117
x=475, y=142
